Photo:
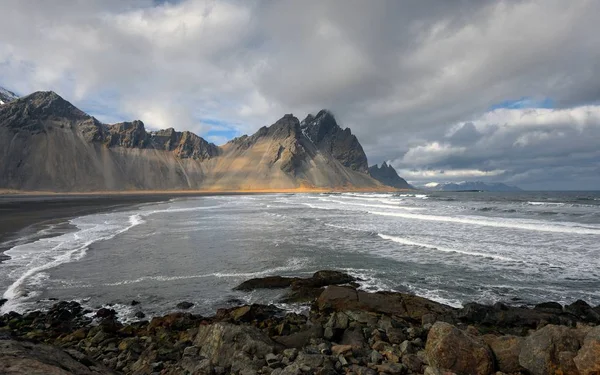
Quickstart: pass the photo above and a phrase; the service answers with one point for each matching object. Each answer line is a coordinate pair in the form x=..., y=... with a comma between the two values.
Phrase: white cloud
x=431, y=153
x=453, y=174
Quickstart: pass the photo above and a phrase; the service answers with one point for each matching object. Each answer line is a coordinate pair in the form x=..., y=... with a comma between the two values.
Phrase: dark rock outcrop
x=345, y=331
x=302, y=289
x=26, y=358
x=519, y=318
x=269, y=282
x=387, y=175
x=328, y=136
x=184, y=305
x=407, y=306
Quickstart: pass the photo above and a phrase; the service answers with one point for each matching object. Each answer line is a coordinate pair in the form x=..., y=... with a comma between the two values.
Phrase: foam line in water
x=187, y=209
x=69, y=247
x=38, y=256
x=373, y=195
x=373, y=205
x=545, y=203
x=569, y=228
x=408, y=242
x=292, y=265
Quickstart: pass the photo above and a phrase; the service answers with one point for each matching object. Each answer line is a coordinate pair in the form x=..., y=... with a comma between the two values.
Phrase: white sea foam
x=340, y=227
x=292, y=265
x=372, y=195
x=48, y=253
x=373, y=205
x=318, y=207
x=419, y=196
x=367, y=280
x=563, y=227
x=408, y=242
x=545, y=203
x=183, y=209
x=435, y=295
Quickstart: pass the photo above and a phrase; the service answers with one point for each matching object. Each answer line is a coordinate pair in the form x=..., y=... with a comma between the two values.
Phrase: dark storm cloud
x=407, y=77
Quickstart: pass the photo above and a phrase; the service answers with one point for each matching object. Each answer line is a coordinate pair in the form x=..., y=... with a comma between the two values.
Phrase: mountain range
x=47, y=144
x=470, y=186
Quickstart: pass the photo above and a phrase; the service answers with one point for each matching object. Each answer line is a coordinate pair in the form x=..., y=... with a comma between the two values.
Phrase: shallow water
x=450, y=247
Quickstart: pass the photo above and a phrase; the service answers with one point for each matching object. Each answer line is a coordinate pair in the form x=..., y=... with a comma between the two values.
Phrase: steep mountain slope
x=281, y=157
x=471, y=185
x=328, y=136
x=386, y=174
x=48, y=144
x=7, y=96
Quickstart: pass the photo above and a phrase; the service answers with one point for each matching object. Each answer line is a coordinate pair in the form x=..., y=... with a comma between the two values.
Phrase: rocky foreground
x=347, y=331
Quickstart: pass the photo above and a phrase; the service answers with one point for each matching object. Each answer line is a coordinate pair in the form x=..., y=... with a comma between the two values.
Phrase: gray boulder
x=588, y=358
x=229, y=345
x=550, y=350
x=506, y=351
x=452, y=349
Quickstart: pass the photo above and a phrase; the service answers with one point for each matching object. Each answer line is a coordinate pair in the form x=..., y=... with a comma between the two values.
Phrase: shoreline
x=21, y=210
x=345, y=331
x=17, y=192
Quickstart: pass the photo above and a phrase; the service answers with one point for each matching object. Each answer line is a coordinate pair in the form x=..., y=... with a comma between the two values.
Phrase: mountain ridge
x=49, y=144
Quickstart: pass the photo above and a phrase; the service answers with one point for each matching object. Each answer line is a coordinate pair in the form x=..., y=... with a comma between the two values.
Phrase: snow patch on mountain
x=7, y=96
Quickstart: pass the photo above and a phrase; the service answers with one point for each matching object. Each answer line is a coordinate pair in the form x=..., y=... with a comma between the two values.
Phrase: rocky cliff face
x=46, y=143
x=386, y=174
x=328, y=136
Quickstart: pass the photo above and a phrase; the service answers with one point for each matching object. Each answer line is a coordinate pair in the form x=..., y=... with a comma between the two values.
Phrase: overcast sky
x=447, y=90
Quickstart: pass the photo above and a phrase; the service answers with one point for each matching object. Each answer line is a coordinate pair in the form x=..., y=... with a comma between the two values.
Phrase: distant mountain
x=7, y=96
x=386, y=174
x=46, y=143
x=469, y=186
x=329, y=137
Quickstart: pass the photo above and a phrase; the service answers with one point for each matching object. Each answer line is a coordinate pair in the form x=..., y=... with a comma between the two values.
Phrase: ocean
x=517, y=248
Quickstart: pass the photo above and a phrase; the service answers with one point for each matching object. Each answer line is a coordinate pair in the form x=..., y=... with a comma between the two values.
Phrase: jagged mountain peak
x=318, y=127
x=387, y=175
x=324, y=131
x=287, y=126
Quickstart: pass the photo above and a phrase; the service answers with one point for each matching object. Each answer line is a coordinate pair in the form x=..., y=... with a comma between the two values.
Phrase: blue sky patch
x=220, y=131
x=524, y=102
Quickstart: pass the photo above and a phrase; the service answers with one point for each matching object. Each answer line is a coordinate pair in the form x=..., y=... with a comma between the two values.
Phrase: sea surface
x=518, y=248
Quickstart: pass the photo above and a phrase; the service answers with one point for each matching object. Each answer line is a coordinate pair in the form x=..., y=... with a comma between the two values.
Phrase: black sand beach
x=22, y=213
